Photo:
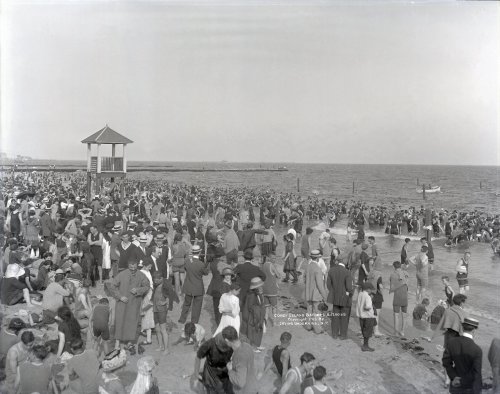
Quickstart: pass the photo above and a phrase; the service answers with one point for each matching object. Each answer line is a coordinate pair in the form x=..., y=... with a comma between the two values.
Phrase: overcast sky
x=288, y=81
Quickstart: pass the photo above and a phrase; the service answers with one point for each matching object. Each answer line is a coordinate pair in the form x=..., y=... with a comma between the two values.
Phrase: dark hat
x=17, y=324
x=149, y=228
x=471, y=322
x=109, y=226
x=248, y=255
x=364, y=246
x=367, y=286
x=341, y=257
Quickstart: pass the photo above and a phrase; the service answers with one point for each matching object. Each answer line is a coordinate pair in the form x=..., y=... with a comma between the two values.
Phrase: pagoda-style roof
x=107, y=136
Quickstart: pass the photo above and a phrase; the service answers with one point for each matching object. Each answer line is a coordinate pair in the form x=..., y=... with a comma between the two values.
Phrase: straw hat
x=471, y=322
x=196, y=249
x=227, y=271
x=315, y=253
x=256, y=282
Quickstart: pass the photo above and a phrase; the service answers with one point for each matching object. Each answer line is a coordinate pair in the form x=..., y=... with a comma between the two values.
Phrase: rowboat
x=433, y=189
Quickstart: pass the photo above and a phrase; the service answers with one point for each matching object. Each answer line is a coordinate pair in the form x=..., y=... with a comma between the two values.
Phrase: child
x=366, y=314
x=160, y=310
x=193, y=333
x=319, y=386
x=420, y=315
x=229, y=307
x=271, y=287
x=448, y=291
x=100, y=325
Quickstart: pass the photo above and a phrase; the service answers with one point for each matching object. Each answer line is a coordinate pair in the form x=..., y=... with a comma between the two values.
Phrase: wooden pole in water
x=353, y=188
x=423, y=190
x=298, y=185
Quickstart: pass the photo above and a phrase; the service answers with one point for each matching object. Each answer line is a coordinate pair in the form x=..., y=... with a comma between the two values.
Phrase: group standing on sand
x=154, y=249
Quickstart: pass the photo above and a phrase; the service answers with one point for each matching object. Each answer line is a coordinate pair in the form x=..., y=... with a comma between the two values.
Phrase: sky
x=254, y=81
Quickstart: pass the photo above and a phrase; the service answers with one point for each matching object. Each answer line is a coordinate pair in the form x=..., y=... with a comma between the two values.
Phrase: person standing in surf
x=463, y=273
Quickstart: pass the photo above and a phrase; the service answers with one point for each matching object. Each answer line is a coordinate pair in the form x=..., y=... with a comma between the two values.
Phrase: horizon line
x=129, y=161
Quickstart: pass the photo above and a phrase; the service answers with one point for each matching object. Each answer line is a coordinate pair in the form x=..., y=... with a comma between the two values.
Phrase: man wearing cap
x=244, y=274
x=315, y=292
x=463, y=359
x=193, y=287
x=339, y=284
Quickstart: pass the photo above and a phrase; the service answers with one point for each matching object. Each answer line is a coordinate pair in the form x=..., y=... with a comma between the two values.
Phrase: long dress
x=106, y=256
x=229, y=307
x=253, y=314
x=290, y=262
x=128, y=315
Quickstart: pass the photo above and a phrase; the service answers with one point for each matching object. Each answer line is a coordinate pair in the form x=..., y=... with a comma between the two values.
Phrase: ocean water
x=460, y=185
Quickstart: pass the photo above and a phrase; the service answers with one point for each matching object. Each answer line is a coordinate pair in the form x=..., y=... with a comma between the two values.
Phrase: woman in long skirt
x=254, y=313
x=147, y=321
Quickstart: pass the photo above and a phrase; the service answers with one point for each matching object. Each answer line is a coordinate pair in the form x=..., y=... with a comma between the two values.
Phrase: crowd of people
x=106, y=272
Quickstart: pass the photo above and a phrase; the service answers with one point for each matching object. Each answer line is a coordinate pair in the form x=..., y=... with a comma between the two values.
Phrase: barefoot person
x=463, y=273
x=399, y=286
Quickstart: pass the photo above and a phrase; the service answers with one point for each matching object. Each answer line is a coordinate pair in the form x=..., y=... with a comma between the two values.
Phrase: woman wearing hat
x=13, y=290
x=253, y=314
x=229, y=308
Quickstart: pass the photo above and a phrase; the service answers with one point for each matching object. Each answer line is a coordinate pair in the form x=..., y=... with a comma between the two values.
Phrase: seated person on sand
x=421, y=316
x=14, y=290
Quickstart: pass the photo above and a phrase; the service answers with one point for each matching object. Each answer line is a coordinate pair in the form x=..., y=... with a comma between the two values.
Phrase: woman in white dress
x=106, y=254
x=229, y=307
x=147, y=322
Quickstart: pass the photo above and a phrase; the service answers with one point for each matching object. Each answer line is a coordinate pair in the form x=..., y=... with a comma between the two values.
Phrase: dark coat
x=214, y=286
x=339, y=282
x=463, y=358
x=244, y=274
x=193, y=284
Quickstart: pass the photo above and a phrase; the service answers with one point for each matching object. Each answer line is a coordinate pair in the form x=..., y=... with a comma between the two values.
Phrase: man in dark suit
x=244, y=274
x=193, y=287
x=462, y=360
x=162, y=254
x=340, y=290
